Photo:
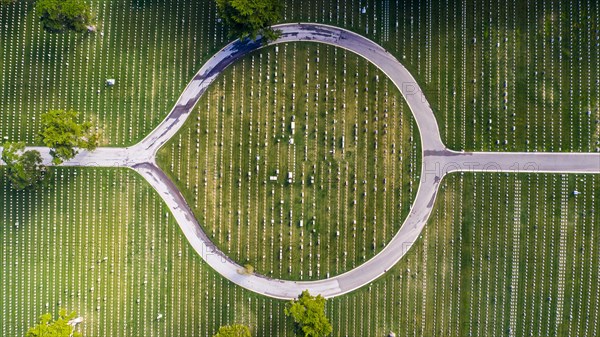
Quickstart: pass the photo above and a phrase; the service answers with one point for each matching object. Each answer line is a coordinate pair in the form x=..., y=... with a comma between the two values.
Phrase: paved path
x=437, y=161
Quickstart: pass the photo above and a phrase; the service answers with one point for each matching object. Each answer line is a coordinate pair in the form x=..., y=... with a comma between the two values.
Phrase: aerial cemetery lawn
x=319, y=158
x=150, y=49
x=507, y=76
x=502, y=254
x=515, y=76
x=512, y=256
x=101, y=242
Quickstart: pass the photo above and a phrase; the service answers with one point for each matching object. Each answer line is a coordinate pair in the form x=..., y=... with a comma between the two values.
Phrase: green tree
x=24, y=168
x=236, y=330
x=62, y=134
x=58, y=328
x=250, y=18
x=308, y=313
x=58, y=16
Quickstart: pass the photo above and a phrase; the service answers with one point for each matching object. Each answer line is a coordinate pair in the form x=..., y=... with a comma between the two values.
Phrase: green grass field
x=506, y=76
x=353, y=157
x=502, y=254
x=526, y=262
x=151, y=51
x=101, y=242
x=486, y=67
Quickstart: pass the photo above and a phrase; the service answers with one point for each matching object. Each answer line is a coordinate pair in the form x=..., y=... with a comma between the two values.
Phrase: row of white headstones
x=74, y=253
x=281, y=127
x=65, y=75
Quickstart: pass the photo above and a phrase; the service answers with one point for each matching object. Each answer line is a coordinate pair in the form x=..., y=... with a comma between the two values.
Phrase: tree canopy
x=58, y=16
x=309, y=314
x=250, y=18
x=58, y=328
x=63, y=134
x=24, y=168
x=236, y=330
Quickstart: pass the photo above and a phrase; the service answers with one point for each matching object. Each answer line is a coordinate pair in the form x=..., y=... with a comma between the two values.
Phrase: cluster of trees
x=307, y=311
x=245, y=18
x=251, y=18
x=62, y=134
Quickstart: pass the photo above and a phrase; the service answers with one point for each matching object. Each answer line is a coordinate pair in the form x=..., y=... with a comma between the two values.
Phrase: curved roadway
x=437, y=161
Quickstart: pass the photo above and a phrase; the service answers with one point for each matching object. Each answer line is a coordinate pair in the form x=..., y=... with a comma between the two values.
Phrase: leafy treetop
x=236, y=330
x=24, y=168
x=58, y=16
x=309, y=313
x=58, y=328
x=62, y=134
x=250, y=18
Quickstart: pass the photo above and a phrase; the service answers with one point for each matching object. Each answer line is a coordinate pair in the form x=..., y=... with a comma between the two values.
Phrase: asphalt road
x=437, y=161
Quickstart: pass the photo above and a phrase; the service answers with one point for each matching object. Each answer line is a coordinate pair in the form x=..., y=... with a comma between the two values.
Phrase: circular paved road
x=284, y=289
x=436, y=162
